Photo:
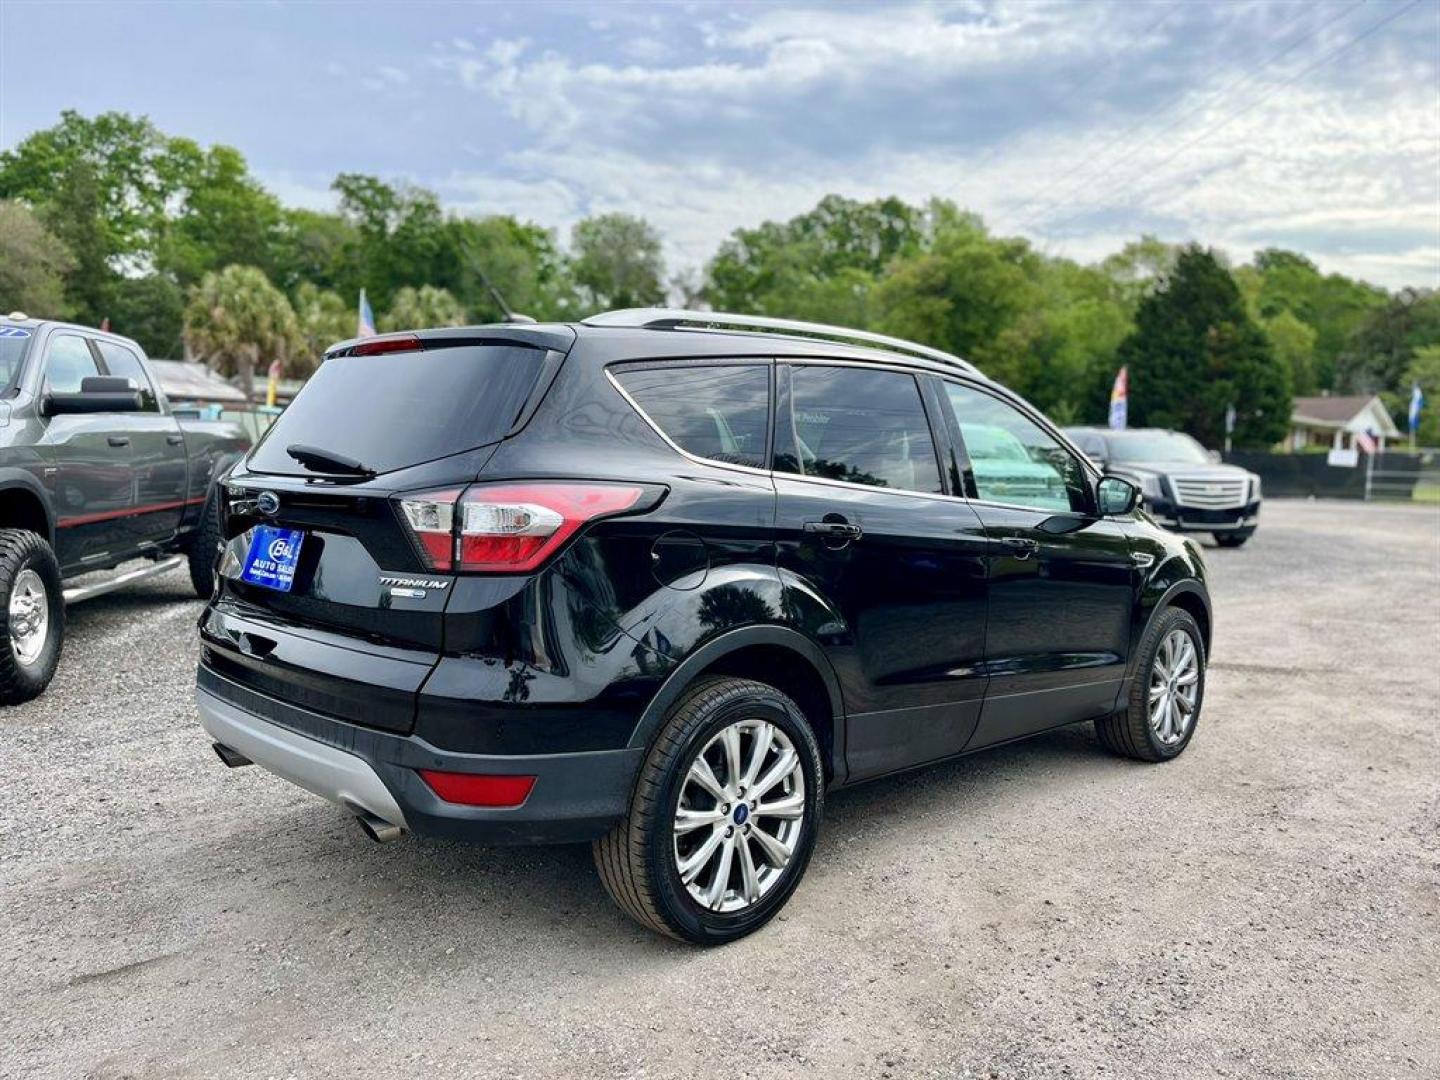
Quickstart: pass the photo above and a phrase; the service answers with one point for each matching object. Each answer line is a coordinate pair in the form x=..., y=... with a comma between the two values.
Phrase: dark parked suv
x=1183, y=486
x=660, y=580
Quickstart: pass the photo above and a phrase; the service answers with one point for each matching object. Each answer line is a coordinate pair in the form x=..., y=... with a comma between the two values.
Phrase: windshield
x=391, y=410
x=1157, y=446
x=14, y=341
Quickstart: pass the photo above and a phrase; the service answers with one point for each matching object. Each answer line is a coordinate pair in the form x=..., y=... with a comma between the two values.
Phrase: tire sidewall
x=1173, y=619
x=689, y=919
x=26, y=681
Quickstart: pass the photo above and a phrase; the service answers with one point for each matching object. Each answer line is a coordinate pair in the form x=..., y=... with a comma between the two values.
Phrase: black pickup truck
x=94, y=472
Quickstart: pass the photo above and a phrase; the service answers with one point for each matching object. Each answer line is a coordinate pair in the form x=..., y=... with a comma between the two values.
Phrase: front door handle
x=175, y=440
x=118, y=440
x=1021, y=547
x=836, y=530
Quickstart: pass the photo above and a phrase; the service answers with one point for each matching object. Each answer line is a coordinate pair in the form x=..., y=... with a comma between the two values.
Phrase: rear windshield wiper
x=327, y=461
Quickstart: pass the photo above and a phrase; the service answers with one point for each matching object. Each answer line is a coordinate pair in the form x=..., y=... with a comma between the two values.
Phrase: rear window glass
x=716, y=411
x=399, y=409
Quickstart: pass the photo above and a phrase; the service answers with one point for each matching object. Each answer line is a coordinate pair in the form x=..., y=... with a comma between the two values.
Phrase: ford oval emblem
x=268, y=503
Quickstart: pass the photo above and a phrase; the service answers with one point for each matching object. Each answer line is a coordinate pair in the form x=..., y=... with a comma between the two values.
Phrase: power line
x=1255, y=103
x=1085, y=178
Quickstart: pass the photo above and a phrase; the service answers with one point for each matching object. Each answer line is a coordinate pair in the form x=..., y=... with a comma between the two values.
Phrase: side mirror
x=98, y=394
x=1116, y=496
x=1215, y=456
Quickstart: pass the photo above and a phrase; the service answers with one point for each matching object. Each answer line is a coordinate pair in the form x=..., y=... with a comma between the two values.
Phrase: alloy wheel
x=1174, y=687
x=740, y=814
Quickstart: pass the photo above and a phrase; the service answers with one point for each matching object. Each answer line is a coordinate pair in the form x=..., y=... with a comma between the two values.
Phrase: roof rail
x=679, y=319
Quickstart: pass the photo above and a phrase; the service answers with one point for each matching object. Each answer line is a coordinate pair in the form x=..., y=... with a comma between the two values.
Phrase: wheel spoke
x=1186, y=655
x=759, y=751
x=1186, y=705
x=721, y=882
x=776, y=853
x=792, y=806
x=687, y=820
x=702, y=774
x=1191, y=676
x=1157, y=713
x=777, y=772
x=730, y=741
x=1157, y=691
x=749, y=878
x=692, y=866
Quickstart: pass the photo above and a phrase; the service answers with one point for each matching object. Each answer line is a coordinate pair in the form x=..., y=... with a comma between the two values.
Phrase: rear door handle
x=1021, y=547
x=175, y=440
x=118, y=440
x=839, y=530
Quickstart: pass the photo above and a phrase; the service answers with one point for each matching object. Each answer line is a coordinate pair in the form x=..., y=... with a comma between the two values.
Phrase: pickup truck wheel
x=34, y=607
x=724, y=815
x=204, y=551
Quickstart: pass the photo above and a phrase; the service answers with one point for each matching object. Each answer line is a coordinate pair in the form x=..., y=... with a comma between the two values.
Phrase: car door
x=89, y=470
x=1061, y=583
x=157, y=450
x=878, y=563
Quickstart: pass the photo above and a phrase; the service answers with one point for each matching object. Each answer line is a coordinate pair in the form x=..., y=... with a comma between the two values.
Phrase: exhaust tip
x=231, y=758
x=378, y=829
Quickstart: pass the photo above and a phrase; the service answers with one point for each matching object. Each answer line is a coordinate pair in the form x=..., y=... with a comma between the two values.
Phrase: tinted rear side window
x=399, y=409
x=719, y=412
x=864, y=427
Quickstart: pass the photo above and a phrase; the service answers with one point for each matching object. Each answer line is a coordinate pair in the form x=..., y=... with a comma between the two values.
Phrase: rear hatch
x=328, y=599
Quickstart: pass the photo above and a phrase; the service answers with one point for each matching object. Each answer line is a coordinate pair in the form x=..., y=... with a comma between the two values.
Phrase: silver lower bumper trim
x=327, y=771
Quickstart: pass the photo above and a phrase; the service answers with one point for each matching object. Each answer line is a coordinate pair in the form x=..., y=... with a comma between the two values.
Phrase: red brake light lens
x=478, y=789
x=377, y=346
x=516, y=527
x=507, y=528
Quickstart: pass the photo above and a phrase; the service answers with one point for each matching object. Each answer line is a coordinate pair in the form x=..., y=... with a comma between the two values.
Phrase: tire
x=29, y=578
x=1130, y=732
x=1233, y=539
x=204, y=550
x=638, y=859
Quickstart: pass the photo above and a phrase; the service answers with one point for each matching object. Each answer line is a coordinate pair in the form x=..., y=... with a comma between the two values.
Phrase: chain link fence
x=1400, y=475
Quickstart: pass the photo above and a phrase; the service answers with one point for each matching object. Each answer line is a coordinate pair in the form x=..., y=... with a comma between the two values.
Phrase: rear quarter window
x=715, y=411
x=394, y=410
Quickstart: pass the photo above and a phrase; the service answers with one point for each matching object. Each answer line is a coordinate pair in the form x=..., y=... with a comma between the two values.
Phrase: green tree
x=33, y=264
x=1333, y=305
x=521, y=260
x=1195, y=350
x=150, y=309
x=1138, y=268
x=618, y=261
x=1381, y=349
x=1294, y=344
x=322, y=318
x=218, y=215
x=422, y=308
x=236, y=320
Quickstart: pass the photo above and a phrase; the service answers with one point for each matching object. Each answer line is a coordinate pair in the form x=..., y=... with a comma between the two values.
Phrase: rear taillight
x=507, y=528
x=380, y=345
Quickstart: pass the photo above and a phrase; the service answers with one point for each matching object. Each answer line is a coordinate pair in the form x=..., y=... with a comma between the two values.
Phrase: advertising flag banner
x=1119, y=404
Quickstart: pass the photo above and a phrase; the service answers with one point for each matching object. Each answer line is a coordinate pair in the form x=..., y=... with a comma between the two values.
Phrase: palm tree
x=235, y=318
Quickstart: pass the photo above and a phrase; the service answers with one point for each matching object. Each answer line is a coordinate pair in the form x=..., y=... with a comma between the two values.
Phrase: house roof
x=1355, y=412
x=186, y=381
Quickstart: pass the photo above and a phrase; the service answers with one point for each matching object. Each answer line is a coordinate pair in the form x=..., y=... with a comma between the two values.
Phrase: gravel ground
x=1264, y=906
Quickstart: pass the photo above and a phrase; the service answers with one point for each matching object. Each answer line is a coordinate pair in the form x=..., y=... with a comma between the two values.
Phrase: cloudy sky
x=1311, y=125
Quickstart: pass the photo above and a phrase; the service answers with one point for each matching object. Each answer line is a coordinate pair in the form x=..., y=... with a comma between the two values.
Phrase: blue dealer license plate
x=272, y=557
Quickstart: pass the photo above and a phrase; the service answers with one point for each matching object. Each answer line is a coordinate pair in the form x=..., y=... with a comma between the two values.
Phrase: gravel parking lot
x=1264, y=906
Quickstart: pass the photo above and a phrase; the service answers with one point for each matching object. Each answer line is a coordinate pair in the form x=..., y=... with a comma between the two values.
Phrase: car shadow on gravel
x=418, y=892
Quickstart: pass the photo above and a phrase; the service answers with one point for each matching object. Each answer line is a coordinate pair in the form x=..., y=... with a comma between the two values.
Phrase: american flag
x=1365, y=441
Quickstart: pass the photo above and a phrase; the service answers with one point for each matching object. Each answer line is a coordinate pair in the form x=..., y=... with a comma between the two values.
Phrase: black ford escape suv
x=659, y=580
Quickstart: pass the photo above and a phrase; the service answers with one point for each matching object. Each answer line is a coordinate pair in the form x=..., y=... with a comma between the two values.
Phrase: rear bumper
x=576, y=797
